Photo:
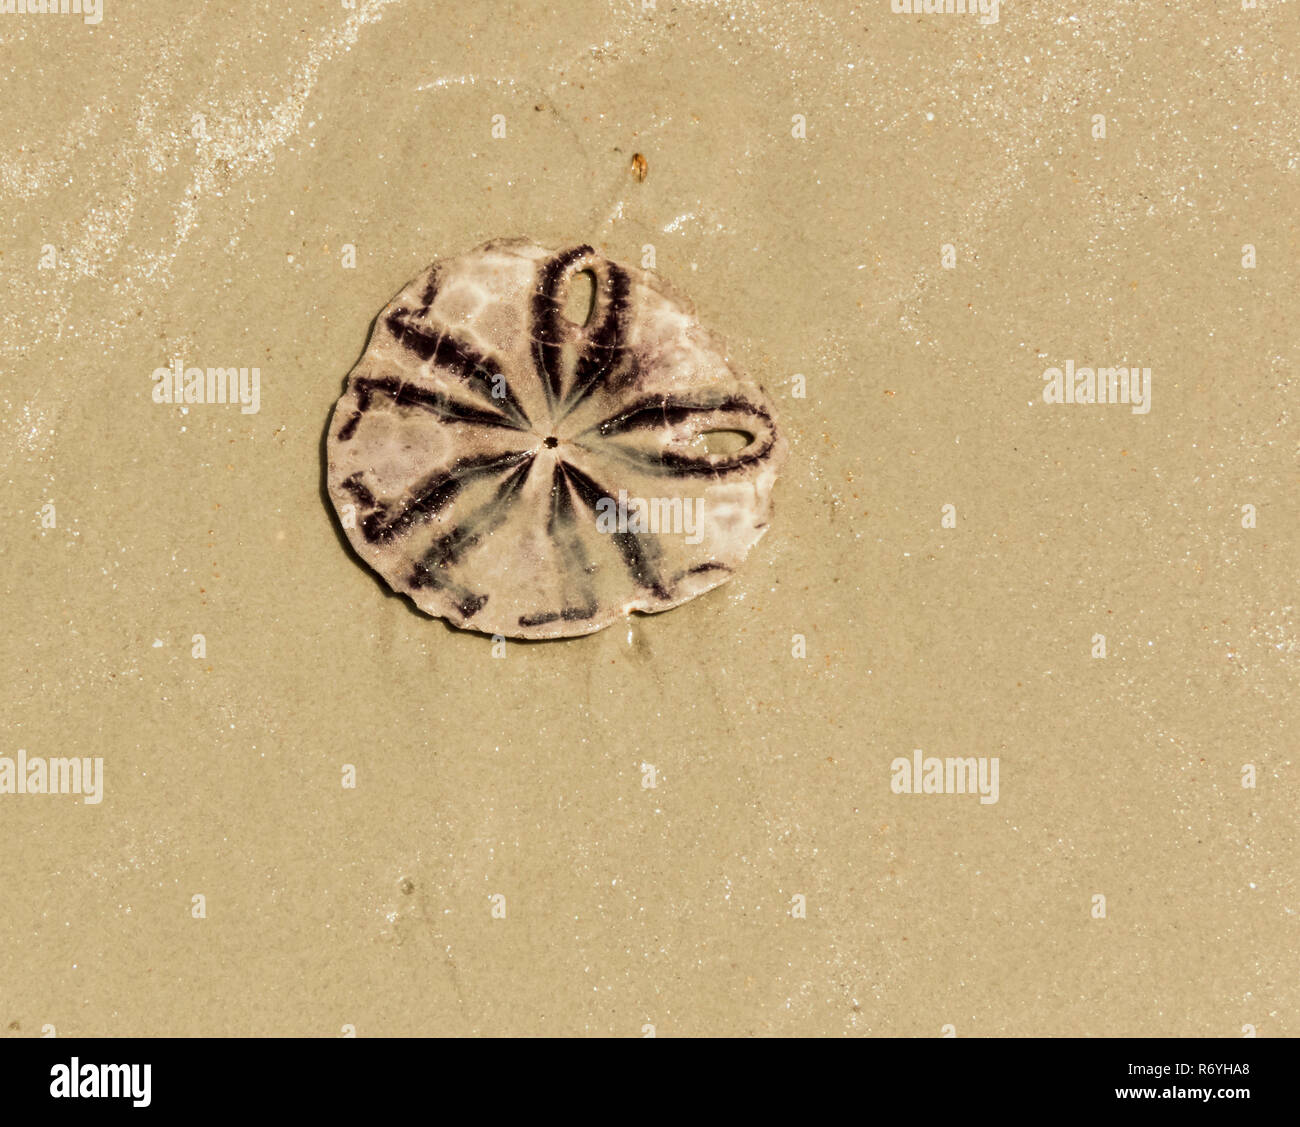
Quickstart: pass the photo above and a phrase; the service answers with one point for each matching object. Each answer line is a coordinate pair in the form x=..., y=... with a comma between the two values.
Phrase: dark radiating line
x=434, y=495
x=548, y=324
x=410, y=336
x=670, y=410
x=468, y=602
x=698, y=569
x=409, y=395
x=431, y=288
x=605, y=345
x=674, y=409
x=357, y=488
x=670, y=462
x=448, y=548
x=568, y=614
x=641, y=564
x=562, y=528
x=348, y=429
x=562, y=516
x=479, y=371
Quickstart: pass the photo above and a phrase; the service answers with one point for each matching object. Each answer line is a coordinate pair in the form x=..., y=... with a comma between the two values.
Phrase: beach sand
x=187, y=183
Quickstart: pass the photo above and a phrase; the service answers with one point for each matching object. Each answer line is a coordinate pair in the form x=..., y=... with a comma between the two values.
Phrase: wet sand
x=184, y=184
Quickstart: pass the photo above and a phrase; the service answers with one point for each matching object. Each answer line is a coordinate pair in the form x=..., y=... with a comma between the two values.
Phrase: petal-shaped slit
x=665, y=434
x=573, y=358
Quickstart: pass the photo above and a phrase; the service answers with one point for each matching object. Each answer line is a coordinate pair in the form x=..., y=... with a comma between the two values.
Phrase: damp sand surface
x=247, y=185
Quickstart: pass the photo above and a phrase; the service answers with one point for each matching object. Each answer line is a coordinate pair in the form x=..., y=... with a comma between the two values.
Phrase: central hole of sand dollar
x=551, y=442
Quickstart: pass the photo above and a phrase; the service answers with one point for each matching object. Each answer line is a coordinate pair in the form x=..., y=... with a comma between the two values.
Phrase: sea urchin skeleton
x=518, y=473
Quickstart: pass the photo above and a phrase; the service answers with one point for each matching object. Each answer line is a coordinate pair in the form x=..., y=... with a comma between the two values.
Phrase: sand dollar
x=522, y=463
